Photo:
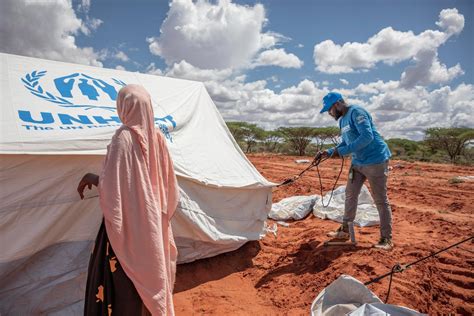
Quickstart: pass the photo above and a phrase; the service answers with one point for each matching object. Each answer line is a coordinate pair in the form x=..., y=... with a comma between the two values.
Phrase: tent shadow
x=190, y=275
x=312, y=257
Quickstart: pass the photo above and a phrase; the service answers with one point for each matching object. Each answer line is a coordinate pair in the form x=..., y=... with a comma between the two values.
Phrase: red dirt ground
x=283, y=275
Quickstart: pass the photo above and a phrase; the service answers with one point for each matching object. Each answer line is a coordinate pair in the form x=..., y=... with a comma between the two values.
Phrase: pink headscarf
x=138, y=196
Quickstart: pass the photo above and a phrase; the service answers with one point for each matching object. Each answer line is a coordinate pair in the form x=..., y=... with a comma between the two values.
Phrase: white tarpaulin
x=293, y=207
x=367, y=214
x=348, y=296
x=56, y=121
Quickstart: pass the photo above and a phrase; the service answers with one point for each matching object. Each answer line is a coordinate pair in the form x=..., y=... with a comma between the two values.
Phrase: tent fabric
x=348, y=296
x=56, y=122
x=367, y=214
x=293, y=207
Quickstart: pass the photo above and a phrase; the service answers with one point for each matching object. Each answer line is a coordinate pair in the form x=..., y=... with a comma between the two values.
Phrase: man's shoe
x=385, y=244
x=341, y=233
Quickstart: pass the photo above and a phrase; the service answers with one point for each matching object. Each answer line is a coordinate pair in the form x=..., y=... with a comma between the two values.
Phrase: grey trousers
x=377, y=176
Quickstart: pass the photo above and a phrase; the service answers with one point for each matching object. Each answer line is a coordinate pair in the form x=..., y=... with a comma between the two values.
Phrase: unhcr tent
x=56, y=122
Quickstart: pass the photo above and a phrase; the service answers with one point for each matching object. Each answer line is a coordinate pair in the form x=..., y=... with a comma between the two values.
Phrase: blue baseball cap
x=329, y=100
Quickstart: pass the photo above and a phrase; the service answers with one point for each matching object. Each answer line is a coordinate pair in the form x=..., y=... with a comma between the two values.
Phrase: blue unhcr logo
x=93, y=89
x=89, y=86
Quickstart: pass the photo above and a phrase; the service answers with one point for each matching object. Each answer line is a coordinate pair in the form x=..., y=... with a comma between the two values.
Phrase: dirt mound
x=283, y=275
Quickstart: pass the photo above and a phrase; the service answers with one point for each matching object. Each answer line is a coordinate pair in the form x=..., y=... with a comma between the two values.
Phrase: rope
x=315, y=163
x=398, y=268
x=334, y=186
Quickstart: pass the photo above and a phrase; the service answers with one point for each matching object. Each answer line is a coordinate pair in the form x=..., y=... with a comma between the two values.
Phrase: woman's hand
x=88, y=180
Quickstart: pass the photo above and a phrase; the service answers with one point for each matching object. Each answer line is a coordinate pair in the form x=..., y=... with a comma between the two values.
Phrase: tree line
x=454, y=144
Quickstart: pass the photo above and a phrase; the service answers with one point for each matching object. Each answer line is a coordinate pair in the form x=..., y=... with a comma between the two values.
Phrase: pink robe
x=138, y=196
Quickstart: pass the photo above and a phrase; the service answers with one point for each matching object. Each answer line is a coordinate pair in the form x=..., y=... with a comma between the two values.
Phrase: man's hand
x=88, y=180
x=321, y=154
x=325, y=154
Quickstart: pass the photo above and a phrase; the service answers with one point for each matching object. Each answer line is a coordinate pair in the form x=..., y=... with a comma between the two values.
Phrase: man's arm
x=334, y=151
x=361, y=121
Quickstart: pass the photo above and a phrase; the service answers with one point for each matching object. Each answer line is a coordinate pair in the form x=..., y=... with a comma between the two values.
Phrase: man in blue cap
x=370, y=155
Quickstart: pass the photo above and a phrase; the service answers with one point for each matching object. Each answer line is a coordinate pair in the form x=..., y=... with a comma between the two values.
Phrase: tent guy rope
x=398, y=268
x=315, y=163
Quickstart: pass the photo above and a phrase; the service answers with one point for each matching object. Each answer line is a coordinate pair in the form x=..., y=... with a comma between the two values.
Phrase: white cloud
x=409, y=112
x=305, y=87
x=451, y=21
x=388, y=46
x=120, y=67
x=84, y=5
x=375, y=87
x=270, y=39
x=206, y=35
x=120, y=55
x=90, y=25
x=397, y=111
x=152, y=70
x=273, y=79
x=219, y=35
x=278, y=57
x=254, y=102
x=428, y=70
x=185, y=70
x=402, y=108
x=45, y=29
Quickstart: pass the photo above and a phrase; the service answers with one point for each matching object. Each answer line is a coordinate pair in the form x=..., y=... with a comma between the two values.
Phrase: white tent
x=56, y=122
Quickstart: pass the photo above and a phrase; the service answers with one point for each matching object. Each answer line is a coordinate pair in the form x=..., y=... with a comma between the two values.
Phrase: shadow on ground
x=311, y=257
x=190, y=275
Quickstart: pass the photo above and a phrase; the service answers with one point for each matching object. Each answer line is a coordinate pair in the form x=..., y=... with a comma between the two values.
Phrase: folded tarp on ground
x=348, y=296
x=299, y=206
x=293, y=207
x=367, y=214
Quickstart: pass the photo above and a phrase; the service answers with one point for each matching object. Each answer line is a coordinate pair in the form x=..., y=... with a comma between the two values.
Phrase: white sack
x=367, y=214
x=294, y=207
x=348, y=296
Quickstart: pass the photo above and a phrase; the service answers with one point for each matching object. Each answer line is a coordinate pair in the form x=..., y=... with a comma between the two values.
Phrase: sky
x=408, y=62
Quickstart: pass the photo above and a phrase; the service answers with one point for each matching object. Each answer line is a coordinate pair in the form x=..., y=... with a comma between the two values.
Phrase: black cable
x=334, y=186
x=394, y=268
x=432, y=255
x=400, y=268
x=314, y=163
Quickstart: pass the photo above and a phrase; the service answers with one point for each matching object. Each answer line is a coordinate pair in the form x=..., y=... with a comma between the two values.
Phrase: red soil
x=283, y=275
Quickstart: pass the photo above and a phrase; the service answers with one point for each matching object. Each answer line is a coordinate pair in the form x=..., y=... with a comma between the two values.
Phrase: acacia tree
x=236, y=130
x=271, y=140
x=323, y=135
x=451, y=140
x=402, y=147
x=246, y=133
x=297, y=137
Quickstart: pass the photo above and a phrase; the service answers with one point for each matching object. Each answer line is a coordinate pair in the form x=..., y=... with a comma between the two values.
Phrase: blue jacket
x=360, y=137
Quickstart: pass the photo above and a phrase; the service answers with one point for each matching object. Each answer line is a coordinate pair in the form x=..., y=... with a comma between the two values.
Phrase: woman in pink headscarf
x=132, y=268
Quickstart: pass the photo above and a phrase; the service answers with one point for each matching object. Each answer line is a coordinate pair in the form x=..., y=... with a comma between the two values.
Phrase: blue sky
x=304, y=22
x=270, y=62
